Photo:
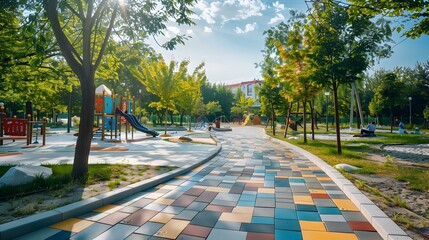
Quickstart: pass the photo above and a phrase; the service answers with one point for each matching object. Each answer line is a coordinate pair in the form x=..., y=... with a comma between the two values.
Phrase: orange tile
x=303, y=200
x=242, y=209
x=73, y=225
x=266, y=190
x=316, y=235
x=312, y=226
x=236, y=217
x=164, y=201
x=324, y=179
x=319, y=195
x=345, y=205
x=172, y=229
x=108, y=208
x=162, y=217
x=309, y=175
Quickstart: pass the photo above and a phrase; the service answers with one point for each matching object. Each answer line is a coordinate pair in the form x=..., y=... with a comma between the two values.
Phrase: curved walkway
x=254, y=189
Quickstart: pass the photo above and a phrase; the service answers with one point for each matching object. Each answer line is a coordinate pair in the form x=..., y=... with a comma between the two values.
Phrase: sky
x=228, y=37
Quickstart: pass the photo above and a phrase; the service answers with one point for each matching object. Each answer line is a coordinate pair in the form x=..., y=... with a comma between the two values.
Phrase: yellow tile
x=312, y=226
x=316, y=191
x=154, y=195
x=199, y=168
x=303, y=200
x=309, y=175
x=164, y=201
x=236, y=217
x=279, y=176
x=162, y=217
x=183, y=177
x=108, y=208
x=73, y=225
x=316, y=235
x=324, y=179
x=172, y=229
x=345, y=205
x=266, y=190
x=218, y=189
x=243, y=209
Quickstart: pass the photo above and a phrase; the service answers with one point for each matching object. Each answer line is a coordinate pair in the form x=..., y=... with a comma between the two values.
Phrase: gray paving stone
x=119, y=231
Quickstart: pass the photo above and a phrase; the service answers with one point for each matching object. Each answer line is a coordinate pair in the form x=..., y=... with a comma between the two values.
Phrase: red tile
x=198, y=231
x=319, y=195
x=140, y=217
x=361, y=226
x=259, y=236
x=217, y=208
x=206, y=196
x=183, y=201
x=194, y=191
x=113, y=218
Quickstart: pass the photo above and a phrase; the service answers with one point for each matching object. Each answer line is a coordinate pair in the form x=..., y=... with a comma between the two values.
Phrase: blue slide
x=135, y=123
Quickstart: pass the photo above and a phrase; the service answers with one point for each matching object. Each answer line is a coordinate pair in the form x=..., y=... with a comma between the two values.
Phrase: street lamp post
x=1, y=121
x=140, y=104
x=410, y=98
x=326, y=103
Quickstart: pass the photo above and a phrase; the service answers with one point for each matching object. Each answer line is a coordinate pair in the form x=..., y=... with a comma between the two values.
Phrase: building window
x=249, y=90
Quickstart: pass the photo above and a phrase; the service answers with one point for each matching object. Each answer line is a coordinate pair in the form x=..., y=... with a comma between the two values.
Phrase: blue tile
x=265, y=195
x=297, y=180
x=291, y=225
x=119, y=231
x=289, y=235
x=248, y=197
x=91, y=232
x=149, y=228
x=285, y=213
x=246, y=203
x=269, y=184
x=329, y=210
x=305, y=207
x=309, y=216
x=60, y=235
x=263, y=220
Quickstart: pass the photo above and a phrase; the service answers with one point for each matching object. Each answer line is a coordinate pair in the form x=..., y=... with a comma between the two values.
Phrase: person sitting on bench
x=370, y=129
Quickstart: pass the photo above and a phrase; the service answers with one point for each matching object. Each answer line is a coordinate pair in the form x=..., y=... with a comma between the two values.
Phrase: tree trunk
x=181, y=118
x=165, y=121
x=304, y=120
x=312, y=119
x=83, y=144
x=288, y=117
x=273, y=117
x=337, y=116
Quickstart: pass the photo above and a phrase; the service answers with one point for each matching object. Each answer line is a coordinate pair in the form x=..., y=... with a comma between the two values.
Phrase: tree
x=343, y=47
x=83, y=29
x=163, y=80
x=213, y=108
x=416, y=11
x=190, y=91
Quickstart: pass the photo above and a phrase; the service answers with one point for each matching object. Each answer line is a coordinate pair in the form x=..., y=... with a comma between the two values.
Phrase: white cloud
x=190, y=32
x=278, y=18
x=278, y=7
x=223, y=11
x=207, y=29
x=248, y=28
x=208, y=10
x=174, y=30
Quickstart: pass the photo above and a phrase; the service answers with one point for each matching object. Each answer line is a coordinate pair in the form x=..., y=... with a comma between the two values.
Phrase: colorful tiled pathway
x=254, y=189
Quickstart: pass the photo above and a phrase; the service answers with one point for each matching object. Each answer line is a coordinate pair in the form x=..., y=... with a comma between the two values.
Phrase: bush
x=75, y=120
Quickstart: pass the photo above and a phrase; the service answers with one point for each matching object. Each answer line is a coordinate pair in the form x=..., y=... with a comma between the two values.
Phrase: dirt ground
x=416, y=213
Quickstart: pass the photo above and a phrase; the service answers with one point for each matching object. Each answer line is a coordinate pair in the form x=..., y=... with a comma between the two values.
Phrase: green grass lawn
x=355, y=155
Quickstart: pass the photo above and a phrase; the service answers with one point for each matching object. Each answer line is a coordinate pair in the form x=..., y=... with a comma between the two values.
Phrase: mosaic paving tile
x=197, y=206
x=284, y=213
x=240, y=209
x=149, y=228
x=345, y=204
x=93, y=216
x=259, y=236
x=308, y=216
x=218, y=208
x=135, y=236
x=291, y=225
x=363, y=235
x=361, y=226
x=206, y=196
x=328, y=210
x=108, y=208
x=72, y=225
x=263, y=212
x=186, y=215
x=40, y=234
x=312, y=226
x=183, y=201
x=129, y=209
x=60, y=235
x=89, y=233
x=188, y=237
x=114, y=218
x=307, y=208
x=290, y=235
x=255, y=227
x=119, y=231
x=217, y=234
x=173, y=209
x=337, y=227
x=140, y=217
x=228, y=225
x=206, y=218
x=315, y=235
x=198, y=231
x=236, y=217
x=172, y=229
x=162, y=217
x=354, y=216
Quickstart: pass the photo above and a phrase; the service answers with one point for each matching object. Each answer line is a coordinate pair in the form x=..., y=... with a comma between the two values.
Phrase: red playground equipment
x=14, y=129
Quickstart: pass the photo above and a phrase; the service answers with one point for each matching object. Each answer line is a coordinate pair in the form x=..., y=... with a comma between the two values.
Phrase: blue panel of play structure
x=130, y=107
x=117, y=102
x=109, y=123
x=108, y=105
